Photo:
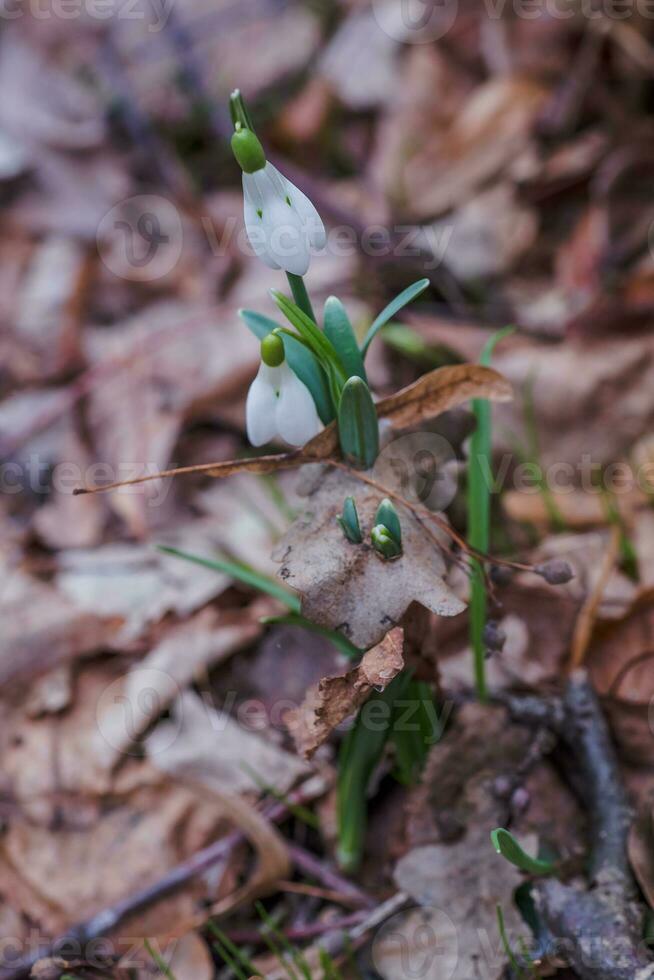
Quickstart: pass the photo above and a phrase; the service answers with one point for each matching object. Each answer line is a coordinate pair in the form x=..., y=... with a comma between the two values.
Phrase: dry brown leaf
x=460, y=880
x=62, y=875
x=215, y=750
x=349, y=587
x=186, y=652
x=139, y=585
x=620, y=666
x=43, y=628
x=485, y=137
x=333, y=699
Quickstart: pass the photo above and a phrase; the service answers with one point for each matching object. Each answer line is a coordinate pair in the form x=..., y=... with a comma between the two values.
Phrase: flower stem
x=300, y=294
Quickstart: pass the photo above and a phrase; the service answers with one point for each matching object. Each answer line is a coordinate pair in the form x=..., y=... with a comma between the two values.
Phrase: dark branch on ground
x=597, y=925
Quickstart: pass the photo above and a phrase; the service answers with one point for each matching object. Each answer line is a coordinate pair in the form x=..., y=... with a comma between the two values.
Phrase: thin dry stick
x=588, y=613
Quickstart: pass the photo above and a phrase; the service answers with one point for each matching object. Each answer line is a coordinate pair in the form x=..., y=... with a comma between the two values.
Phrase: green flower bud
x=387, y=516
x=272, y=350
x=349, y=521
x=384, y=543
x=248, y=150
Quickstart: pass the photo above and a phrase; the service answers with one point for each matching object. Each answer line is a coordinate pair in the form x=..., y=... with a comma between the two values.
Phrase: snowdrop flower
x=278, y=403
x=282, y=224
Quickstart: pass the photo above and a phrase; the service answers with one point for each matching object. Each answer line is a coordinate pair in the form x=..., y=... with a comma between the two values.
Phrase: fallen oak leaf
x=333, y=699
x=349, y=587
x=434, y=393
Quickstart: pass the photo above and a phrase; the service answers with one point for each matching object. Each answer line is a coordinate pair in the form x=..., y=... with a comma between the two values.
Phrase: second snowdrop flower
x=278, y=403
x=283, y=226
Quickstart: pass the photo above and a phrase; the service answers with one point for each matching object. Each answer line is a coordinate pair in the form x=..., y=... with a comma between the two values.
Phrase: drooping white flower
x=282, y=224
x=278, y=403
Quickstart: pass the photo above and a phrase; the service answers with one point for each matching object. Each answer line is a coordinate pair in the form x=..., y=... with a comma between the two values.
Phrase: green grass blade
x=231, y=954
x=405, y=297
x=339, y=640
x=159, y=961
x=241, y=573
x=479, y=499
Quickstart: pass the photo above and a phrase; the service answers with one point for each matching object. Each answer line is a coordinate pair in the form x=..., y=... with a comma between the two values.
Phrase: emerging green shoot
x=505, y=844
x=349, y=521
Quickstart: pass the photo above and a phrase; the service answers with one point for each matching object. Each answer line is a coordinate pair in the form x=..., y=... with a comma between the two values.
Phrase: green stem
x=300, y=295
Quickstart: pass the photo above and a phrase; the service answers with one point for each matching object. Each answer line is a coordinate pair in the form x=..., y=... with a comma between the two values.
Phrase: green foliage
x=339, y=640
x=358, y=426
x=404, y=298
x=399, y=716
x=339, y=331
x=241, y=573
x=479, y=492
x=349, y=521
x=388, y=516
x=505, y=844
x=159, y=961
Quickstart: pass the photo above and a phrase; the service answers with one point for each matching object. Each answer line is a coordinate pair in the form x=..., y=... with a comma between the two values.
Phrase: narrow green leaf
x=159, y=961
x=405, y=297
x=349, y=521
x=358, y=426
x=339, y=640
x=301, y=361
x=242, y=573
x=305, y=326
x=361, y=751
x=479, y=508
x=506, y=845
x=339, y=331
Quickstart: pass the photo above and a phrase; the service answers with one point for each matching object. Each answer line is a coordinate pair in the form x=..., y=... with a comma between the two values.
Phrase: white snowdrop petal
x=310, y=218
x=257, y=236
x=261, y=406
x=286, y=239
x=297, y=418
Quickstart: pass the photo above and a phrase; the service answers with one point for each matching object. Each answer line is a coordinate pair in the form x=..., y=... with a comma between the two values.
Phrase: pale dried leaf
x=349, y=587
x=185, y=653
x=214, y=749
x=332, y=699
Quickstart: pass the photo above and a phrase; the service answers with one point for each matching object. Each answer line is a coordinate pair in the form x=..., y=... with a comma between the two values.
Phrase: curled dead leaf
x=349, y=587
x=333, y=699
